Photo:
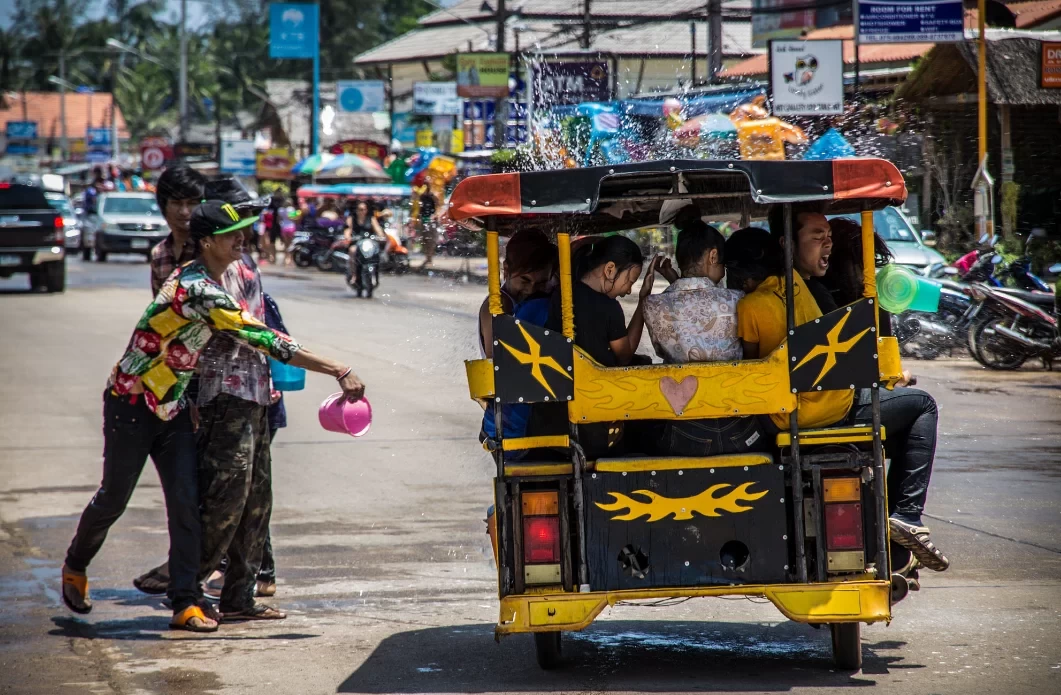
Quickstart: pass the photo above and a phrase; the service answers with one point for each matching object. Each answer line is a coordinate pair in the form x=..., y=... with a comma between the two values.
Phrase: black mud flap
x=681, y=528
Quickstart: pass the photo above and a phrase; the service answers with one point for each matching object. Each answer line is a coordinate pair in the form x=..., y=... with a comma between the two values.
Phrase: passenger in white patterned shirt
x=695, y=320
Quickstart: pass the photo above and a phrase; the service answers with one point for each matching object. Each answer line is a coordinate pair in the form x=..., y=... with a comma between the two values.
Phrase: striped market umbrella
x=312, y=164
x=352, y=166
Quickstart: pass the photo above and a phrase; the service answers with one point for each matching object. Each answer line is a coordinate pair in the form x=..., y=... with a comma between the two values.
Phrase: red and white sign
x=154, y=152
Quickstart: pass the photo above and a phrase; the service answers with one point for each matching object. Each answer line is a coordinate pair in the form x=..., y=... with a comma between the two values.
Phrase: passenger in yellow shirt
x=761, y=317
x=908, y=415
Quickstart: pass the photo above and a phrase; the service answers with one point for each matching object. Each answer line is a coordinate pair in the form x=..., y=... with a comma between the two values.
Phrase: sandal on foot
x=264, y=587
x=259, y=611
x=210, y=610
x=154, y=581
x=77, y=584
x=193, y=619
x=916, y=540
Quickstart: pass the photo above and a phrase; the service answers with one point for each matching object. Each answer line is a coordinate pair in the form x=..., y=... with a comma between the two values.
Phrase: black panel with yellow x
x=533, y=364
x=837, y=351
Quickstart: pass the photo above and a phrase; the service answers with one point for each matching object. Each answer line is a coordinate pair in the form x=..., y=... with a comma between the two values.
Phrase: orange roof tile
x=43, y=107
x=867, y=53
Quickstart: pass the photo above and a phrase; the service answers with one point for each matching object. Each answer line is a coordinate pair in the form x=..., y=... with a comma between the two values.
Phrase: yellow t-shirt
x=761, y=319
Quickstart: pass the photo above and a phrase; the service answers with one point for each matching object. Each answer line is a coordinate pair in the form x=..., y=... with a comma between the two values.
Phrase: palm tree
x=143, y=93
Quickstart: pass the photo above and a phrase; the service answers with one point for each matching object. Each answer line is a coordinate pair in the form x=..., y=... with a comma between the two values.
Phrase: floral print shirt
x=228, y=365
x=163, y=352
x=694, y=320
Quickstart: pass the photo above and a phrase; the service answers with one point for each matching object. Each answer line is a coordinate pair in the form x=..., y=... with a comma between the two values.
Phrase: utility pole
x=182, y=104
x=501, y=105
x=585, y=24
x=714, y=39
x=692, y=38
x=62, y=105
x=981, y=56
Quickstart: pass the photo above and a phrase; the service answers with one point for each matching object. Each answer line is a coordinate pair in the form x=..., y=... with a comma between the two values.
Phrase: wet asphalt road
x=383, y=561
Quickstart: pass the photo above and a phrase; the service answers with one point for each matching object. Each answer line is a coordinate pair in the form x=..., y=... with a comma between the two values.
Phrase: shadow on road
x=149, y=628
x=634, y=656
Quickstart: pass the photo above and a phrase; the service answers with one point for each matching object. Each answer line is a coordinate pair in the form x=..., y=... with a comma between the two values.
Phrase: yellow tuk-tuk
x=806, y=526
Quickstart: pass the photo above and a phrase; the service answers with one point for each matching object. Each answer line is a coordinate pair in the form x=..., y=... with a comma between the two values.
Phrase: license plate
x=140, y=243
x=10, y=260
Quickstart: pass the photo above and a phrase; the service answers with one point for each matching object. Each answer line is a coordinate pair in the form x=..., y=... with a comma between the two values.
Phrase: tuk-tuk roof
x=609, y=198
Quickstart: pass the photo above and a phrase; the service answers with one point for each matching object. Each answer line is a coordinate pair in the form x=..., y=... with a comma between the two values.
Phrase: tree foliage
x=228, y=54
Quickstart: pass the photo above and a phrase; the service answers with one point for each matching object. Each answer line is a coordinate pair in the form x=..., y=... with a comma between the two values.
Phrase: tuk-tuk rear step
x=831, y=435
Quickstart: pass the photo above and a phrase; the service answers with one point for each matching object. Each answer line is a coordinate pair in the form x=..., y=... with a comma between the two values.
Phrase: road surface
x=382, y=556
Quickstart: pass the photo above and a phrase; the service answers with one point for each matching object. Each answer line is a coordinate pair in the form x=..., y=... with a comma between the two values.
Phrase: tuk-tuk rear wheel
x=548, y=649
x=847, y=645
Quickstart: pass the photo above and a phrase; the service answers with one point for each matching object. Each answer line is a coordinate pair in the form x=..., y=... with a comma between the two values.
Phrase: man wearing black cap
x=145, y=415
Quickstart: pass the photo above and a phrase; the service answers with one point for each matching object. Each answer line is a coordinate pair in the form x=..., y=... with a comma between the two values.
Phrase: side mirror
x=928, y=237
x=996, y=259
x=950, y=270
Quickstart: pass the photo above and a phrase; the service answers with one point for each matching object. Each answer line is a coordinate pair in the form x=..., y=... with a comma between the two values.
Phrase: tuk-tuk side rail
x=889, y=363
x=677, y=463
x=830, y=435
x=539, y=470
x=851, y=600
x=560, y=441
x=680, y=391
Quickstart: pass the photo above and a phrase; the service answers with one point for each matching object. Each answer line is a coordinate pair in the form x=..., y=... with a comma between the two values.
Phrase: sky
x=196, y=11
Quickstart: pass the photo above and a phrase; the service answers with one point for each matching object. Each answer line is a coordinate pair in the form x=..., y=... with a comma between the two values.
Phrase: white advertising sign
x=436, y=99
x=238, y=157
x=360, y=96
x=807, y=77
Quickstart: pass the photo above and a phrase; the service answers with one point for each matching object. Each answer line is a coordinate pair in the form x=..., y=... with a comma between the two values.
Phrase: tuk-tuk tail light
x=540, y=503
x=842, y=489
x=843, y=526
x=541, y=540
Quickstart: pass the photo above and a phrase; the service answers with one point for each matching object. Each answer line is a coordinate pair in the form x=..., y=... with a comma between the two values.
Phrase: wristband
x=344, y=374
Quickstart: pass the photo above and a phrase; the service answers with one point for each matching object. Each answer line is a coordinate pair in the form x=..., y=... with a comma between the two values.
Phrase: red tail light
x=541, y=540
x=60, y=230
x=843, y=526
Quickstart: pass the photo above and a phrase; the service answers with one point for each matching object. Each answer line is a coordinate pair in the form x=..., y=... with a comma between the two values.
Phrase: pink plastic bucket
x=336, y=414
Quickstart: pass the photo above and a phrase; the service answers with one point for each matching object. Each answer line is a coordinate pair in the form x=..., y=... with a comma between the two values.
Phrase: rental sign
x=1050, y=78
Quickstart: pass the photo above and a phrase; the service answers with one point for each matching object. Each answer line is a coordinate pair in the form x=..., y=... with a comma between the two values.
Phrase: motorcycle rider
x=359, y=225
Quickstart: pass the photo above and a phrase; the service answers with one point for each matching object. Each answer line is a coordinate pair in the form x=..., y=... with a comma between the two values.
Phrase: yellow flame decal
x=682, y=508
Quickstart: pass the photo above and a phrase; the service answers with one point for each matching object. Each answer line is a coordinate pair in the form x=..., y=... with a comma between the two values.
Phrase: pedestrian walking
x=145, y=414
x=178, y=193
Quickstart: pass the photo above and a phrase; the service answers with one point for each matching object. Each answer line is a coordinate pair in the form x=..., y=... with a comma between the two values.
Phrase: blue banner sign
x=360, y=96
x=910, y=21
x=293, y=30
x=98, y=137
x=21, y=130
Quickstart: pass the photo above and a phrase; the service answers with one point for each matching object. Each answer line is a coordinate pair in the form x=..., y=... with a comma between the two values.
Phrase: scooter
x=311, y=243
x=1009, y=330
x=928, y=335
x=362, y=270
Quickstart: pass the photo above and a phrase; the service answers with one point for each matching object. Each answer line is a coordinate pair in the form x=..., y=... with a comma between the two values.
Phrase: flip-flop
x=259, y=611
x=264, y=587
x=80, y=583
x=183, y=620
x=153, y=582
x=916, y=539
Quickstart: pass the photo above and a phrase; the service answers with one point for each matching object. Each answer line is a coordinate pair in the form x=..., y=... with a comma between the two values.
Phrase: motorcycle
x=362, y=270
x=925, y=335
x=1009, y=330
x=311, y=245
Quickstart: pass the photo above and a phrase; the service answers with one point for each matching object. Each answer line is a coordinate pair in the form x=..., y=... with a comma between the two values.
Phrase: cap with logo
x=216, y=217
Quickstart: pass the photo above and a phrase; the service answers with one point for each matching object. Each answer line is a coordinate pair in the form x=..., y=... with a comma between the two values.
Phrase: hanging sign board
x=293, y=30
x=436, y=99
x=558, y=84
x=910, y=21
x=360, y=96
x=1050, y=78
x=482, y=75
x=807, y=77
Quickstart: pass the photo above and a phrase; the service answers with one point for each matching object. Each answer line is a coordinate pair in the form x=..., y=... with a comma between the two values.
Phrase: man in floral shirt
x=145, y=415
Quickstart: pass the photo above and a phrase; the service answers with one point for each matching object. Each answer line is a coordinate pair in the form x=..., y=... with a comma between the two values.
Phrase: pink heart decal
x=678, y=394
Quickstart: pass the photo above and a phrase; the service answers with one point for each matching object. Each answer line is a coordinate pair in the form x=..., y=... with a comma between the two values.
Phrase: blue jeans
x=910, y=418
x=727, y=435
x=131, y=433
